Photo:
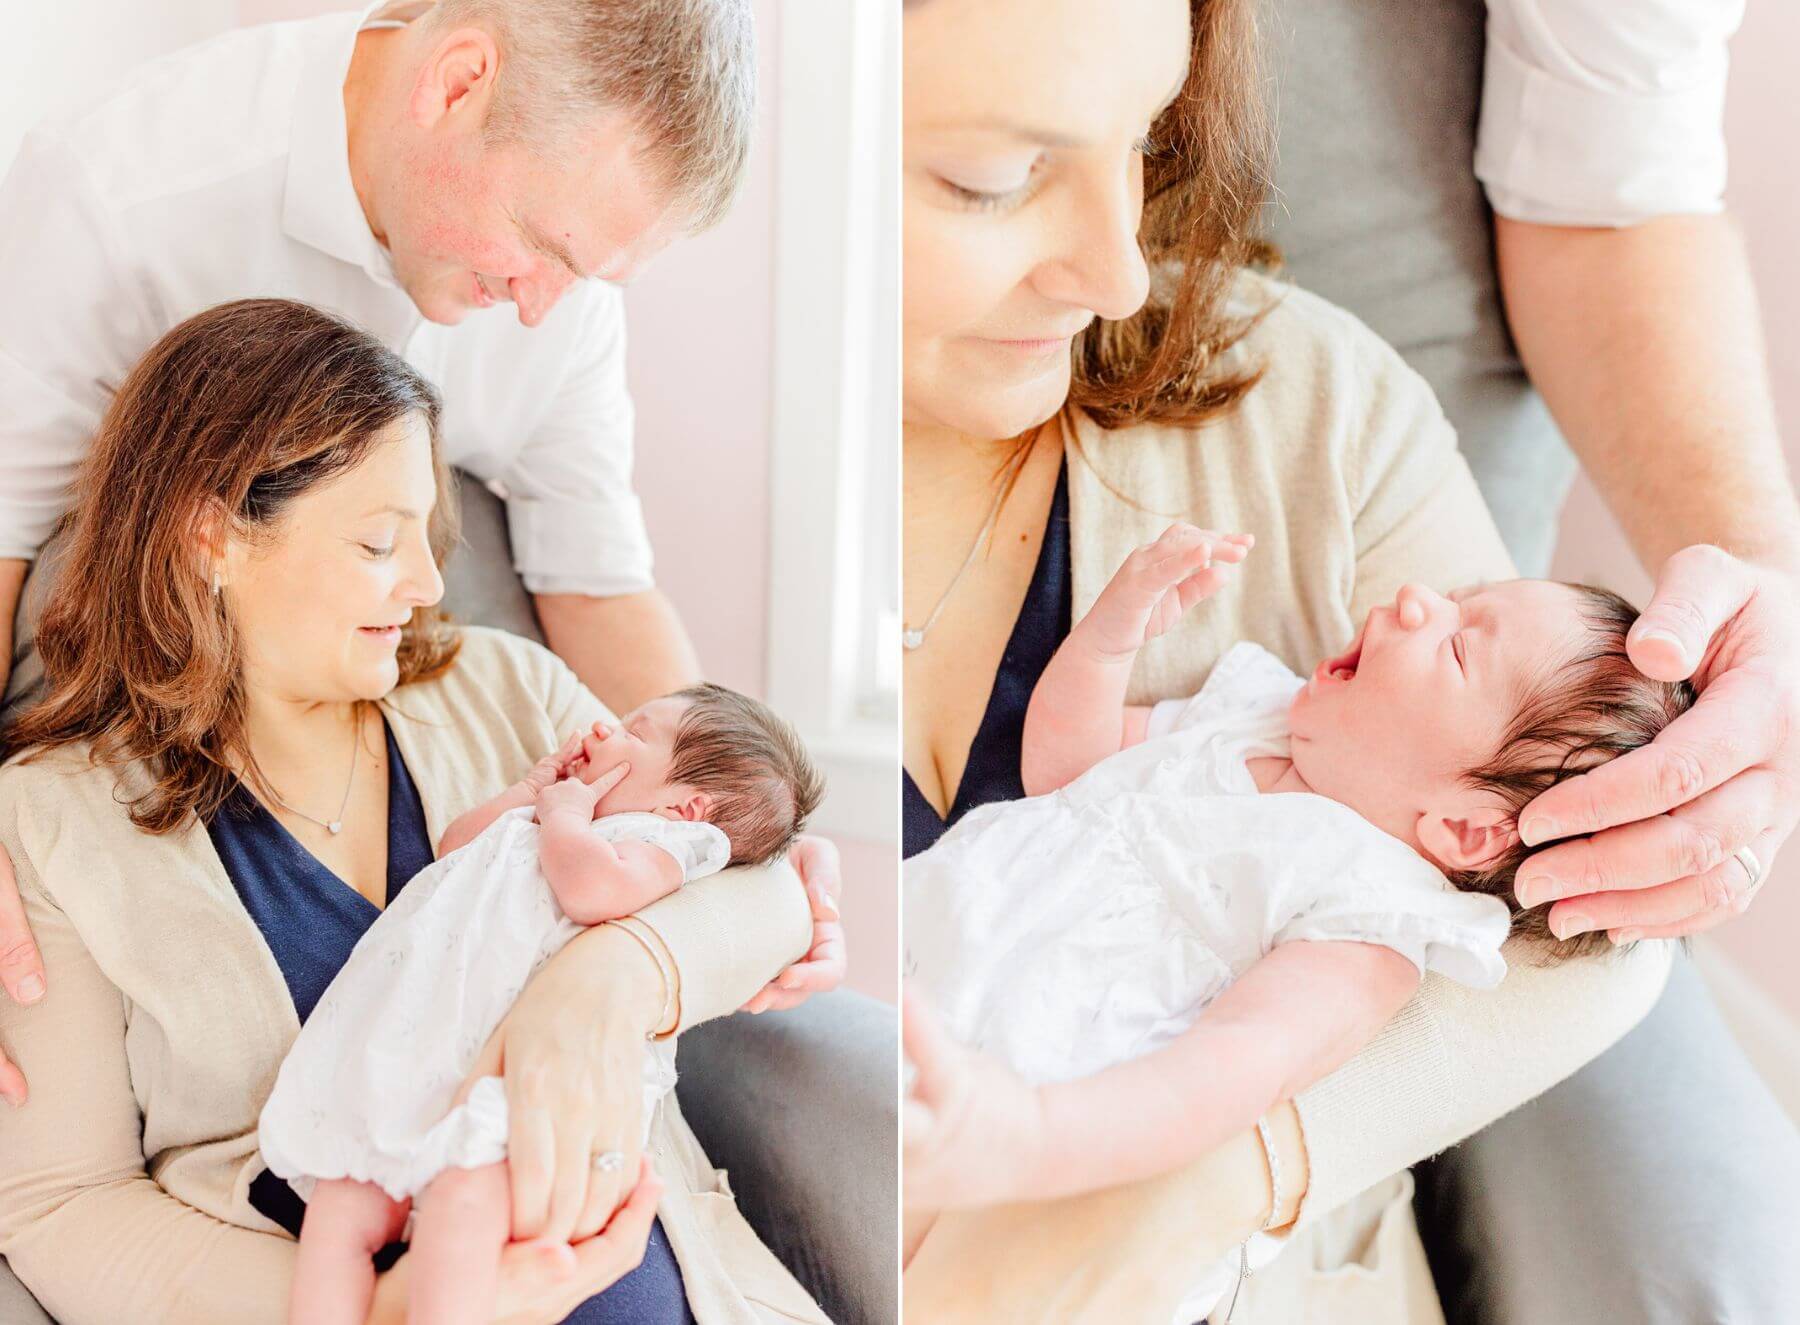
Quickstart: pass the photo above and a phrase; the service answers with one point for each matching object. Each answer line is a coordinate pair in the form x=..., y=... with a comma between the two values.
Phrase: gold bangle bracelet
x=670, y=1014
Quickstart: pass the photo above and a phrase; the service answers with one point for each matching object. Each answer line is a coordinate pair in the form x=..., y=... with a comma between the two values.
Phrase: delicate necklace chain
x=912, y=637
x=335, y=826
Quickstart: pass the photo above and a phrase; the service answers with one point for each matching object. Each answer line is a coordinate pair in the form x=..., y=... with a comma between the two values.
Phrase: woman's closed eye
x=378, y=553
x=994, y=195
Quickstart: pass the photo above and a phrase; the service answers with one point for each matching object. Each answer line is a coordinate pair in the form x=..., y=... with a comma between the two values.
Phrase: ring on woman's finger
x=1752, y=867
x=609, y=1161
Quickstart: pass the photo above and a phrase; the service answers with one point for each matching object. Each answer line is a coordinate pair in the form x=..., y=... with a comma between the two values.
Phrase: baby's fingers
x=610, y=779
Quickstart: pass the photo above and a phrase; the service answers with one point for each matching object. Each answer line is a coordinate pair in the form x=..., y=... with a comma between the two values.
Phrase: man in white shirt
x=407, y=171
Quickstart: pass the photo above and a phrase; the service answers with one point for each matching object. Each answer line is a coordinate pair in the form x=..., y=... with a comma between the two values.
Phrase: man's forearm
x=626, y=649
x=1646, y=345
x=12, y=585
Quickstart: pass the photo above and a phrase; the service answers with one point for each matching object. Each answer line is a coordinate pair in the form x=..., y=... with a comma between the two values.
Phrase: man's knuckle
x=1715, y=891
x=17, y=953
x=1700, y=849
x=1681, y=776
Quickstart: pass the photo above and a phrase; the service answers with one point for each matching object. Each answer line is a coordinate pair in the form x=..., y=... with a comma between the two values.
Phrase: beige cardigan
x=1342, y=465
x=124, y=1181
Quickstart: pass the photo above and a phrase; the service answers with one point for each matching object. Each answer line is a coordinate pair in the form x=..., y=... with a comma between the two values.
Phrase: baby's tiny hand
x=571, y=794
x=553, y=767
x=1157, y=584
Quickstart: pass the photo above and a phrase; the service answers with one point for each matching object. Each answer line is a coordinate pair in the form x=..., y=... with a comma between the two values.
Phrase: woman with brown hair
x=1090, y=353
x=254, y=726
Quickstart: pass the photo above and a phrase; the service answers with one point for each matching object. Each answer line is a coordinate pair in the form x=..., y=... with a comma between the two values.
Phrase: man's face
x=469, y=225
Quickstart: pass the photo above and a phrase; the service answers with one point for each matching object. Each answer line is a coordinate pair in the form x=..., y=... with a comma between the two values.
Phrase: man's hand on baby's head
x=1157, y=585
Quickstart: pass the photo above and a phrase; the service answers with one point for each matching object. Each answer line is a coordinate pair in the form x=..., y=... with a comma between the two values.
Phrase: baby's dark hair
x=1592, y=708
x=752, y=764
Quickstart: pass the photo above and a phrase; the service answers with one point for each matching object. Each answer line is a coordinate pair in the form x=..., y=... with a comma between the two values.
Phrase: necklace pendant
x=335, y=827
x=911, y=639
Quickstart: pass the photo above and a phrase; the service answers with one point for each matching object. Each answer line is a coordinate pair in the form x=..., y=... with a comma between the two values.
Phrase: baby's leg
x=346, y=1223
x=464, y=1220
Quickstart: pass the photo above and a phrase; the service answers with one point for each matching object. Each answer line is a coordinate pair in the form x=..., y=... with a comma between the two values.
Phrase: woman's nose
x=424, y=584
x=1101, y=266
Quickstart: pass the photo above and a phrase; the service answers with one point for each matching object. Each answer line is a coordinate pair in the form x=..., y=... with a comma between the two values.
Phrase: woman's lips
x=384, y=634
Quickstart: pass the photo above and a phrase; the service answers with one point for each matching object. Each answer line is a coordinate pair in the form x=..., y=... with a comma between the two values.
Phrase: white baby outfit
x=366, y=1090
x=1069, y=932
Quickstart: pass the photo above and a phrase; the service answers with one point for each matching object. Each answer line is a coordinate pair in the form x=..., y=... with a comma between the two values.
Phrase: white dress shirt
x=222, y=172
x=1603, y=112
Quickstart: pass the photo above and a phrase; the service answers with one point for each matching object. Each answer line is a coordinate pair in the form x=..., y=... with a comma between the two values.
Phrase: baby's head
x=712, y=754
x=1448, y=715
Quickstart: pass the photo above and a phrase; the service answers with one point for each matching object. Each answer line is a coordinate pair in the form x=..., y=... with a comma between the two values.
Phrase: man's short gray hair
x=684, y=69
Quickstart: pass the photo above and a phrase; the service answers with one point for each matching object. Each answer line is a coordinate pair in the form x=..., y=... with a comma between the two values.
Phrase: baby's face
x=643, y=738
x=1424, y=694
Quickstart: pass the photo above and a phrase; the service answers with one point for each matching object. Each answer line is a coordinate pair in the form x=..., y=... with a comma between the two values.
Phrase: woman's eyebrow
x=1012, y=128
x=404, y=512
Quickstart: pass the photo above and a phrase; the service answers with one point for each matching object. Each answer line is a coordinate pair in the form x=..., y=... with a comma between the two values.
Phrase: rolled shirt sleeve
x=71, y=324
x=1597, y=113
x=575, y=520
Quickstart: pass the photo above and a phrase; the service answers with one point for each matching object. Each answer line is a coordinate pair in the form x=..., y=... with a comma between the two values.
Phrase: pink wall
x=1762, y=126
x=700, y=321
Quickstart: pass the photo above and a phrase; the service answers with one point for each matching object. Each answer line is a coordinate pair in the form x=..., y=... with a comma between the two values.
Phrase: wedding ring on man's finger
x=1752, y=867
x=609, y=1161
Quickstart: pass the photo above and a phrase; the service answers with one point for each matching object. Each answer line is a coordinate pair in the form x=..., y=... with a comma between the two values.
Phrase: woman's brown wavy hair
x=240, y=409
x=1205, y=179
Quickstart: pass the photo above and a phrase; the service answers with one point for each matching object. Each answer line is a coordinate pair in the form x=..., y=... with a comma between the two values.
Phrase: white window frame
x=838, y=81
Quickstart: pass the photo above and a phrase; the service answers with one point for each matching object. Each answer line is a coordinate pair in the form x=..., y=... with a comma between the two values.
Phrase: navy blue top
x=311, y=919
x=992, y=773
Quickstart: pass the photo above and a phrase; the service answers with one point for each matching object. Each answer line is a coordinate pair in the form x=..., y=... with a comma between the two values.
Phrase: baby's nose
x=1413, y=605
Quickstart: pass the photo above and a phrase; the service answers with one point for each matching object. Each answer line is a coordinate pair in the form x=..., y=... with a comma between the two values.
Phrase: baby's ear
x=696, y=805
x=1468, y=840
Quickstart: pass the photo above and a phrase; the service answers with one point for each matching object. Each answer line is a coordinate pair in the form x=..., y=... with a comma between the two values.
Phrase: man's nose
x=534, y=296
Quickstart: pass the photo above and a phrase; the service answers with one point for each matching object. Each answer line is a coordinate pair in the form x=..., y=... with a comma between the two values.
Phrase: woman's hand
x=21, y=969
x=815, y=860
x=543, y=1282
x=1664, y=821
x=571, y=1053
x=972, y=1129
x=1156, y=586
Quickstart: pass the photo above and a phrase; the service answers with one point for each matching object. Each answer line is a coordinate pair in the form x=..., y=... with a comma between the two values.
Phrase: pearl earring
x=216, y=583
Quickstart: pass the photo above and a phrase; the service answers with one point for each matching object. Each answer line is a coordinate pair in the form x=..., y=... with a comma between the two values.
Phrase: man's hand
x=972, y=1129
x=815, y=860
x=1157, y=585
x=21, y=969
x=1664, y=820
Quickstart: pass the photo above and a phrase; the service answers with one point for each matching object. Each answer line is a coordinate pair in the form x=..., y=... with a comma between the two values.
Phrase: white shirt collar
x=320, y=207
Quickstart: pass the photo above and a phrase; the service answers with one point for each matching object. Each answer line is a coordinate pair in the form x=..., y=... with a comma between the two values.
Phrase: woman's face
x=320, y=607
x=1025, y=125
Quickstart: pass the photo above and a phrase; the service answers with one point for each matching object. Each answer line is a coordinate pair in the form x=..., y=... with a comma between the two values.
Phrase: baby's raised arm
x=1078, y=715
x=465, y=828
x=596, y=880
x=978, y=1135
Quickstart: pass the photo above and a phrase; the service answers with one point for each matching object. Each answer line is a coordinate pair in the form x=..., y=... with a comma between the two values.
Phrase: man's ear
x=1464, y=839
x=694, y=806
x=457, y=79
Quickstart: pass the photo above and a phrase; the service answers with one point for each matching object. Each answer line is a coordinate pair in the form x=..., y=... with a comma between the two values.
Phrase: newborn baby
x=1139, y=961
x=365, y=1114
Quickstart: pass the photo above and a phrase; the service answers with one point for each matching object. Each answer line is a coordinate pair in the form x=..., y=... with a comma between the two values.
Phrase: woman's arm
x=988, y=1137
x=1077, y=715
x=81, y=1222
